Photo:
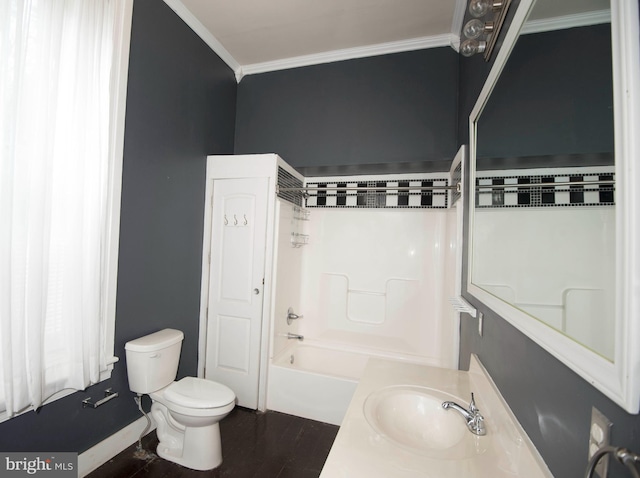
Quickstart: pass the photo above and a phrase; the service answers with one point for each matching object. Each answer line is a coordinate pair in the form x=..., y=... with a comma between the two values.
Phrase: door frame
x=241, y=167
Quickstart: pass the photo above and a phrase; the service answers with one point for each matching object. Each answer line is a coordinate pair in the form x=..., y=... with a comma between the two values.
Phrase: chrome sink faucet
x=475, y=421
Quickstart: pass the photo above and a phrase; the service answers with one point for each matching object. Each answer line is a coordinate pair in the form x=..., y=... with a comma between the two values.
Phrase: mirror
x=547, y=224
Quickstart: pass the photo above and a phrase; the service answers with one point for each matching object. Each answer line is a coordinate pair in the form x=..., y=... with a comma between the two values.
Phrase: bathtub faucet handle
x=291, y=316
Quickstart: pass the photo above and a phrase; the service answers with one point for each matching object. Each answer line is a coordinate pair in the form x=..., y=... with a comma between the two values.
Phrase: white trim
x=625, y=32
x=618, y=380
x=56, y=396
x=456, y=24
x=349, y=54
x=204, y=281
x=190, y=19
x=306, y=60
x=452, y=39
x=99, y=454
x=116, y=150
x=567, y=21
x=462, y=157
x=243, y=166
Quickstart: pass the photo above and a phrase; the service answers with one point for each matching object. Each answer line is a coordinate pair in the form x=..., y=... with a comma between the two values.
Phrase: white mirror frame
x=619, y=380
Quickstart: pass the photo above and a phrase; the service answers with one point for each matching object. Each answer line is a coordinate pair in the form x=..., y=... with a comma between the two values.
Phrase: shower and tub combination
x=356, y=267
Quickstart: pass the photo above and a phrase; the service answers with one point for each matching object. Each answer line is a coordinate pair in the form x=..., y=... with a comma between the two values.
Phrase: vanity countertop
x=360, y=452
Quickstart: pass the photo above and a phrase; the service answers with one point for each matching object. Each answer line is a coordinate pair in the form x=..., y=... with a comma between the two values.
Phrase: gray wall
x=551, y=402
x=324, y=119
x=554, y=97
x=180, y=107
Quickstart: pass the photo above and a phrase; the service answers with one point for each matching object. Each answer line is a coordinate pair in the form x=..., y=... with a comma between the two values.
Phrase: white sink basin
x=413, y=418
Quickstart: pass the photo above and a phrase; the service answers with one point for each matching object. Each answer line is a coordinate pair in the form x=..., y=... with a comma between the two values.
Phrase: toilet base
x=198, y=448
x=202, y=449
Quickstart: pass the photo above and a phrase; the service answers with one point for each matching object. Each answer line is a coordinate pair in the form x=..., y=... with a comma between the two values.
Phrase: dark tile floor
x=254, y=445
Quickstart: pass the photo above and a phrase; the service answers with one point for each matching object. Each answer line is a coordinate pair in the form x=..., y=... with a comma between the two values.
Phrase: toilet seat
x=192, y=392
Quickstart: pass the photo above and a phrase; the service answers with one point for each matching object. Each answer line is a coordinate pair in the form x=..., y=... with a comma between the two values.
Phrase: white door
x=236, y=279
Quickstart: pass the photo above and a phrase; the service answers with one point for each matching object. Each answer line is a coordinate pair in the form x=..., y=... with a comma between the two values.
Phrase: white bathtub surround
x=582, y=284
x=377, y=279
x=312, y=380
x=568, y=229
x=370, y=282
x=288, y=276
x=505, y=451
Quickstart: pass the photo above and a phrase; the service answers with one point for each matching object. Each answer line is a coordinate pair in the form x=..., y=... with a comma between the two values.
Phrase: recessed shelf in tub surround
x=359, y=451
x=352, y=305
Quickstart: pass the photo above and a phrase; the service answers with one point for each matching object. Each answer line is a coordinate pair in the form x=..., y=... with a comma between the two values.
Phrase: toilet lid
x=199, y=393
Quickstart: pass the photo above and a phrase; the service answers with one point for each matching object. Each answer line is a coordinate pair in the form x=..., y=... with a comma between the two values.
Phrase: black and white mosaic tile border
x=328, y=193
x=511, y=190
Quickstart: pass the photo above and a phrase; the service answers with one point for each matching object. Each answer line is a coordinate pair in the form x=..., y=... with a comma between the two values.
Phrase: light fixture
x=474, y=28
x=479, y=8
x=481, y=34
x=471, y=47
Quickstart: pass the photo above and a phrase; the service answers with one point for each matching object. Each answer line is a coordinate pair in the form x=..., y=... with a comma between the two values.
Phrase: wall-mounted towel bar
x=109, y=394
x=461, y=305
x=307, y=189
x=489, y=187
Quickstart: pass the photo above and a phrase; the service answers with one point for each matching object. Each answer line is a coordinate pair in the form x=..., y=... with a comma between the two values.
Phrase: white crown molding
x=202, y=31
x=567, y=21
x=349, y=54
x=306, y=60
x=452, y=40
x=456, y=24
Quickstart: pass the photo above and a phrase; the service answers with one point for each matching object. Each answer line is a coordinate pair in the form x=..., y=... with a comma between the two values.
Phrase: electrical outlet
x=599, y=436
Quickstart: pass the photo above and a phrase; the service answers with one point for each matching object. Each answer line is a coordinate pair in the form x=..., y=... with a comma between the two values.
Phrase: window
x=62, y=96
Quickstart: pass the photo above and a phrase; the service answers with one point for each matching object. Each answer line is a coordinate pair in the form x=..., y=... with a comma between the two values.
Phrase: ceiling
x=257, y=31
x=254, y=36
x=263, y=35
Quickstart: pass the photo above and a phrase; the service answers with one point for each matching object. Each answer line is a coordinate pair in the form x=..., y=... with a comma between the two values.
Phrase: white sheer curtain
x=55, y=64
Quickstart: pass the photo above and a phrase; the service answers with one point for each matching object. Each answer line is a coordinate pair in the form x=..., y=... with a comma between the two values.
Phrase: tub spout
x=295, y=336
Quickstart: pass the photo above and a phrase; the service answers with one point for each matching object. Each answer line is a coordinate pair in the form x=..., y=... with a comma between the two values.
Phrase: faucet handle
x=476, y=424
x=472, y=406
x=291, y=316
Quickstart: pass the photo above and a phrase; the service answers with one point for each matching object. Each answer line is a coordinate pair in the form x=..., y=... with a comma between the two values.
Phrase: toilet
x=187, y=412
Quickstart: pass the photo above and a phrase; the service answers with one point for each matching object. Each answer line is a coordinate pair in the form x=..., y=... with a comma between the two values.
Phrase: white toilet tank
x=152, y=360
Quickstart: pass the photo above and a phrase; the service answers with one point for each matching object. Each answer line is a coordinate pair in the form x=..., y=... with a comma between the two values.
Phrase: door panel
x=234, y=319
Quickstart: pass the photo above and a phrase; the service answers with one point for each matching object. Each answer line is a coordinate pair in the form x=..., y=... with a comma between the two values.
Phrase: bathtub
x=315, y=381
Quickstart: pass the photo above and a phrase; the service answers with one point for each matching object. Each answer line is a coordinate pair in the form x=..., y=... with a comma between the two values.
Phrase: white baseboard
x=111, y=446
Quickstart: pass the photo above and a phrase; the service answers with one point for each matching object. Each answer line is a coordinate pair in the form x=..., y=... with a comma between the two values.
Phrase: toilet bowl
x=187, y=412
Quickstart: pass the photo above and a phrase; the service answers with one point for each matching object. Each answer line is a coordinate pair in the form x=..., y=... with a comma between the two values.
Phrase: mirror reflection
x=544, y=219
